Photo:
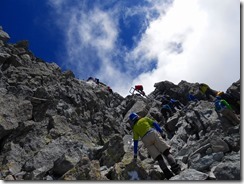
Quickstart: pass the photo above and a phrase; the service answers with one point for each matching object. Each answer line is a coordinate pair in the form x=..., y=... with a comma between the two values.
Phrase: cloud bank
x=124, y=43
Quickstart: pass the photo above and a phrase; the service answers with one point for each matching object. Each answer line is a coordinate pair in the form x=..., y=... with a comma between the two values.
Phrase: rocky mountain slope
x=56, y=127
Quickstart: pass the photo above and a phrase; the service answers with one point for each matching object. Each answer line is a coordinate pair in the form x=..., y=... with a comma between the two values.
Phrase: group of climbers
x=153, y=137
x=169, y=105
x=224, y=103
x=212, y=94
x=235, y=103
x=95, y=81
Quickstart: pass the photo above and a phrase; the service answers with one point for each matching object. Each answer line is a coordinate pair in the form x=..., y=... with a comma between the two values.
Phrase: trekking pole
x=131, y=90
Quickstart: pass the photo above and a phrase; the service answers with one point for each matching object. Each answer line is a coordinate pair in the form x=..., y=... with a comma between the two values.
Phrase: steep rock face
x=56, y=127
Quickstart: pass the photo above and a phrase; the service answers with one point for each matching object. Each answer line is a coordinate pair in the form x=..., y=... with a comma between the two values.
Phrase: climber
x=193, y=127
x=145, y=128
x=110, y=90
x=97, y=80
x=172, y=103
x=166, y=98
x=191, y=97
x=166, y=101
x=205, y=89
x=90, y=78
x=235, y=103
x=139, y=89
x=176, y=103
x=166, y=111
x=225, y=109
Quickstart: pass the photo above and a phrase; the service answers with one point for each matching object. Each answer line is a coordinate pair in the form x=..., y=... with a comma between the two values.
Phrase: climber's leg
x=168, y=174
x=175, y=167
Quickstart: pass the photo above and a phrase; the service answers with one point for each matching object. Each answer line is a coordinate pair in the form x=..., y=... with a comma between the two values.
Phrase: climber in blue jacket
x=191, y=97
x=166, y=111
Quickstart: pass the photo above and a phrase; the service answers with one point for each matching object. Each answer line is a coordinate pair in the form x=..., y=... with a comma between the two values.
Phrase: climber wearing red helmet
x=139, y=88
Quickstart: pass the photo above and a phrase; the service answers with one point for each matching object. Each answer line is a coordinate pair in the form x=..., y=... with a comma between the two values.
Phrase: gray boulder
x=190, y=175
x=228, y=171
x=3, y=35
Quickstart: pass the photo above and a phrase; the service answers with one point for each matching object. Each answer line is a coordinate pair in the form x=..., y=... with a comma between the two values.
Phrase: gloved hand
x=163, y=135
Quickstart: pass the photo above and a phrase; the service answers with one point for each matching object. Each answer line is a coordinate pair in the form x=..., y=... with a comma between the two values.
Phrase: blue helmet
x=217, y=99
x=133, y=116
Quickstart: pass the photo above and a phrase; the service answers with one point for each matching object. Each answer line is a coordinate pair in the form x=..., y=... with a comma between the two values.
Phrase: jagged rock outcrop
x=4, y=37
x=56, y=127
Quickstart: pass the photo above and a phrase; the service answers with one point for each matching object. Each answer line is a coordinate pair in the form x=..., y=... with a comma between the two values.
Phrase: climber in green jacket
x=147, y=129
x=223, y=107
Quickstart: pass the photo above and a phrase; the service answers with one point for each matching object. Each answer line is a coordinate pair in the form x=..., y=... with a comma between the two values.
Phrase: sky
x=130, y=42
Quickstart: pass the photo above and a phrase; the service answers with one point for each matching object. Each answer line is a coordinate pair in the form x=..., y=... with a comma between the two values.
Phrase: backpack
x=219, y=106
x=166, y=106
x=139, y=87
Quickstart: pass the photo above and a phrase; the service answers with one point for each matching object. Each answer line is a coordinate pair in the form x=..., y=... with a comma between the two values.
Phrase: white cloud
x=210, y=35
x=95, y=29
x=192, y=40
x=91, y=36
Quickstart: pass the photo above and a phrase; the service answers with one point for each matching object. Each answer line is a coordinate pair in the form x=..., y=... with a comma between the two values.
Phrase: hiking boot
x=168, y=174
x=175, y=169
